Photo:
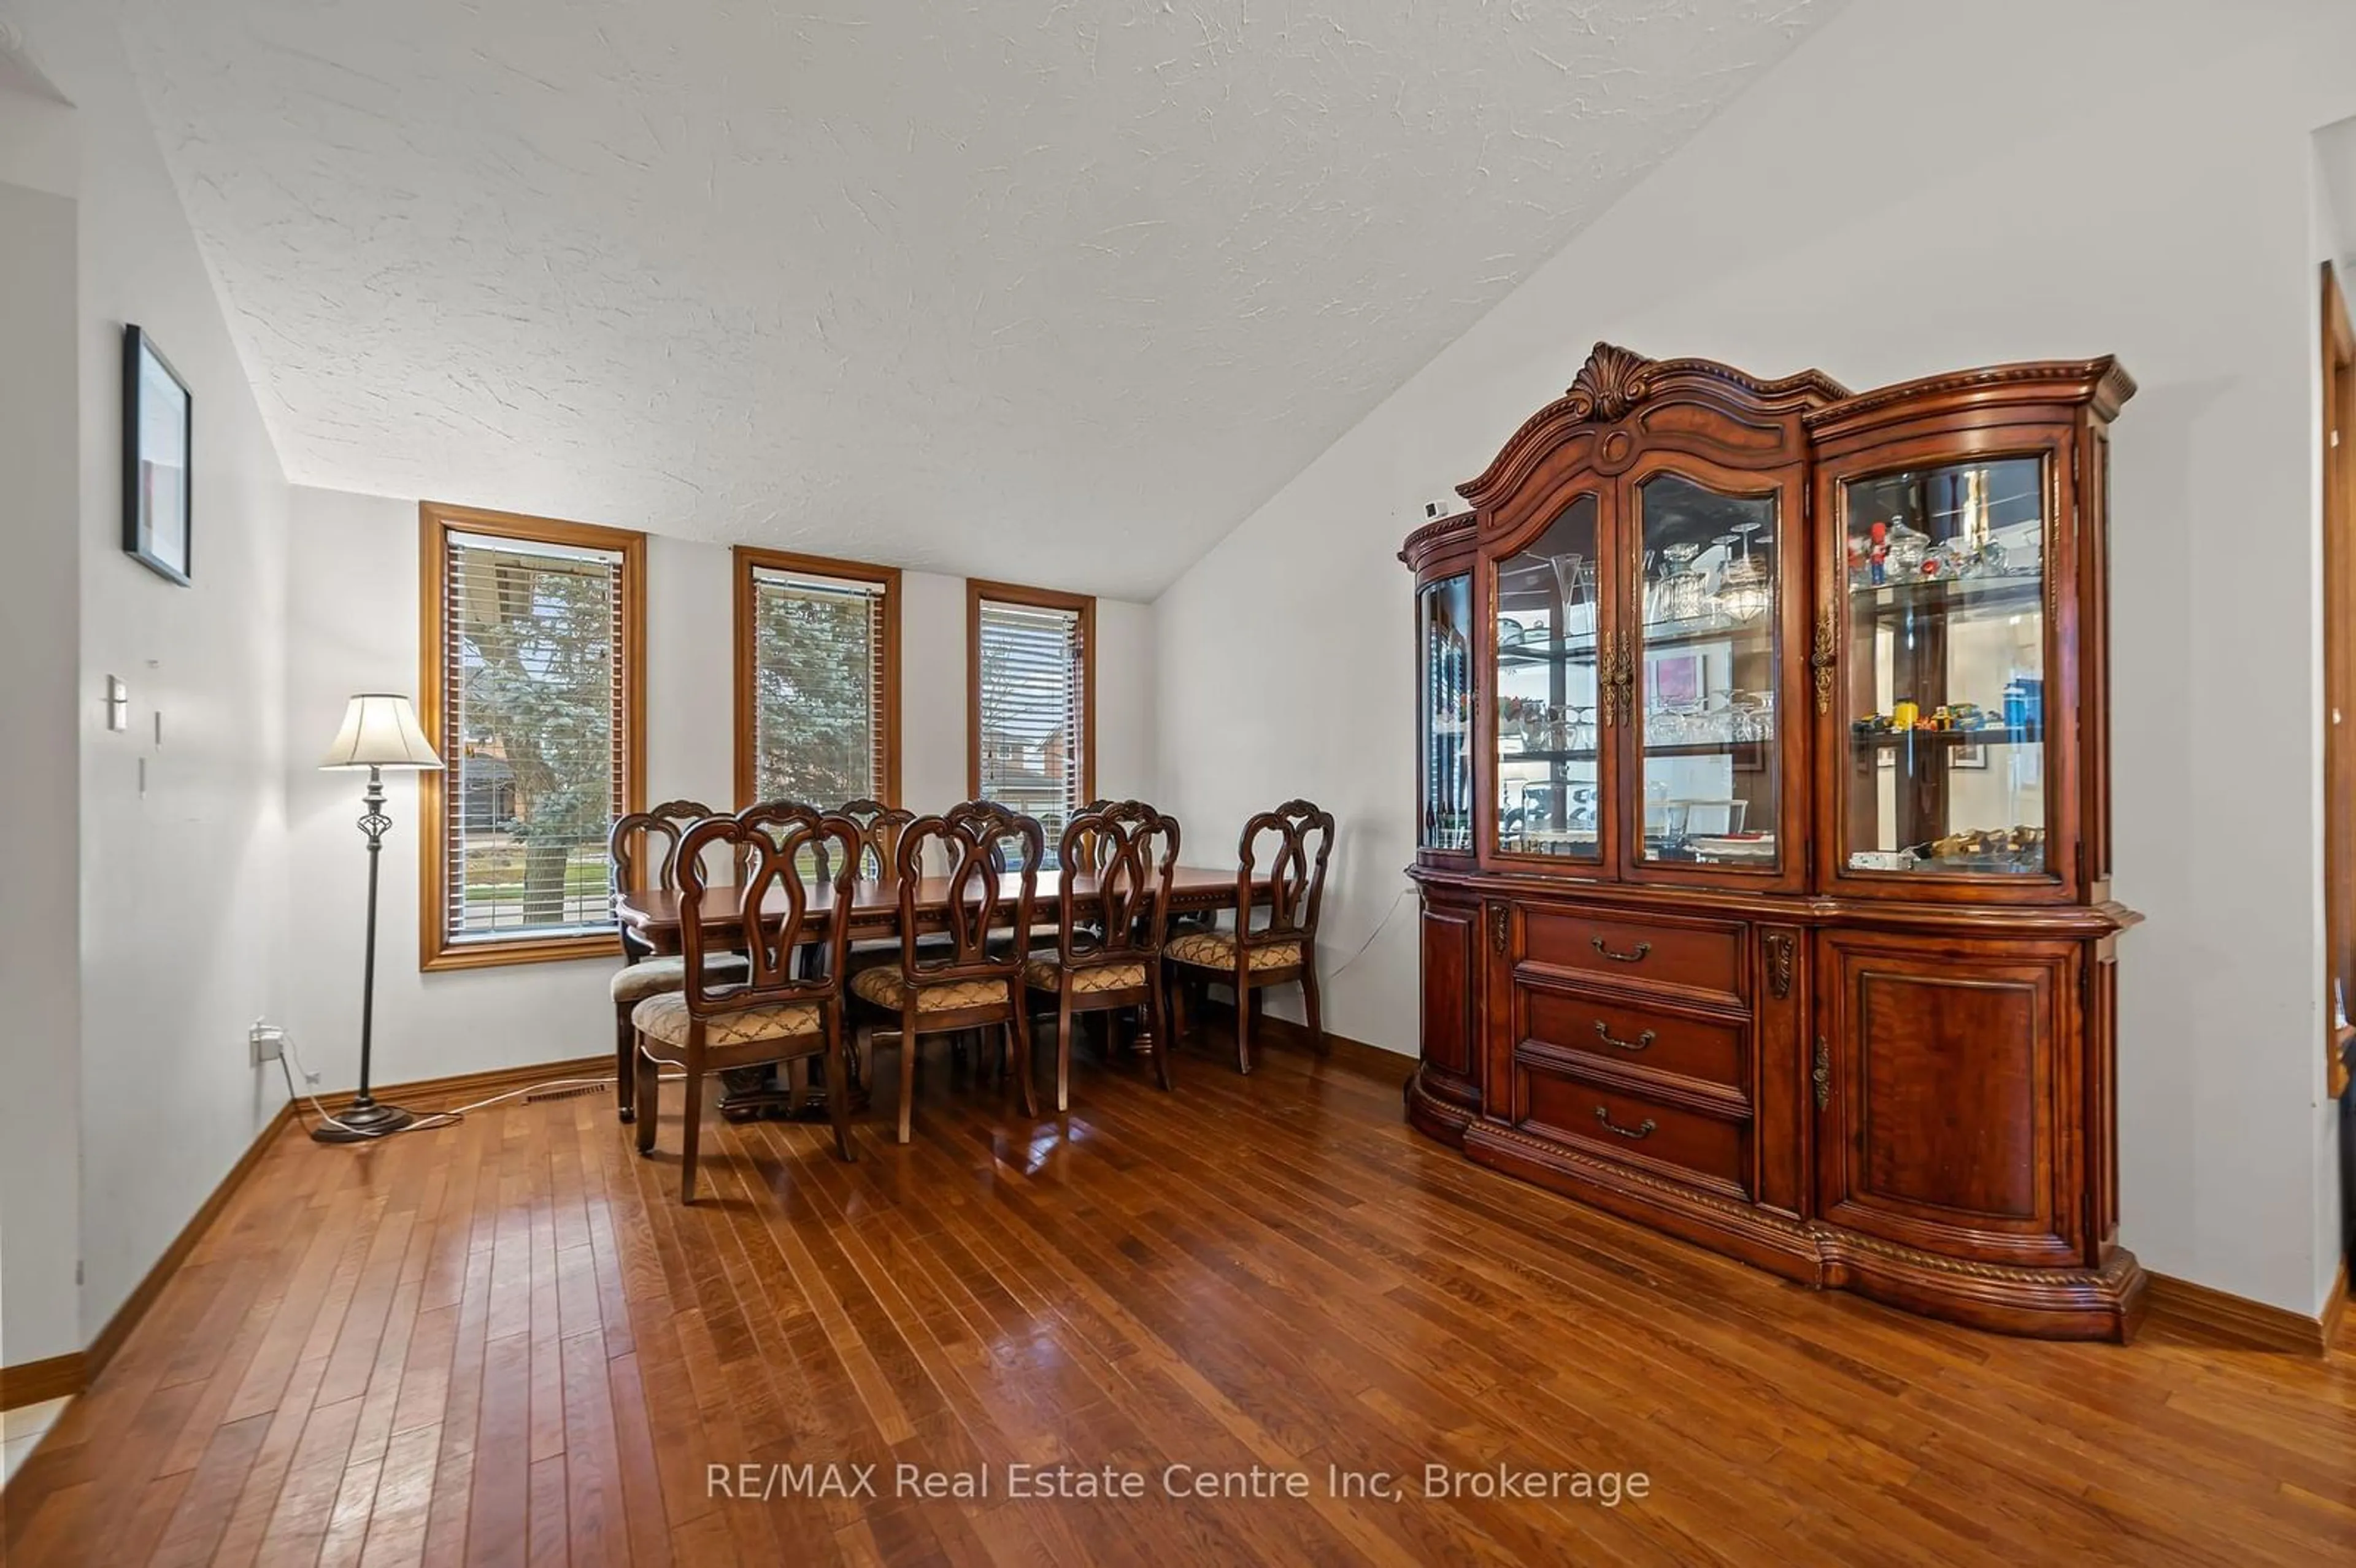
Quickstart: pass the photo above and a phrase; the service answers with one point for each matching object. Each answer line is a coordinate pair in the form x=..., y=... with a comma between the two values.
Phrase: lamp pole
x=366, y=1118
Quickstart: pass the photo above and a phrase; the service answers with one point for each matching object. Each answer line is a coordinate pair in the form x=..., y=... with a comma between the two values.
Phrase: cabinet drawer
x=1711, y=1052
x=1621, y=1125
x=1700, y=956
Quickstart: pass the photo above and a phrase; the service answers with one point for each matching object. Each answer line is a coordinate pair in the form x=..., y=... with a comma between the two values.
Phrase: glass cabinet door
x=1548, y=624
x=1702, y=685
x=1443, y=614
x=1945, y=622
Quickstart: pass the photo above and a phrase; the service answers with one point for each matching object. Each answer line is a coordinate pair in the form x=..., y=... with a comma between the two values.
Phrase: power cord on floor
x=431, y=1120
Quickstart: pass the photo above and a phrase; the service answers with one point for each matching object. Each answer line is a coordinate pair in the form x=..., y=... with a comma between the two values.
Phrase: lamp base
x=362, y=1124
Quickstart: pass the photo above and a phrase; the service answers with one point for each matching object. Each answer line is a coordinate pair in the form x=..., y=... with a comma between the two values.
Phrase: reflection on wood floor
x=505, y=1341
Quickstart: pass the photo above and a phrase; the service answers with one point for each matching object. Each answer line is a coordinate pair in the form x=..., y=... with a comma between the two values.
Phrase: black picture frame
x=159, y=499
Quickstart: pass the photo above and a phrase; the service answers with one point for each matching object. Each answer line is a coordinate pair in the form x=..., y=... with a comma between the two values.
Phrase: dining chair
x=1109, y=927
x=963, y=979
x=1283, y=947
x=642, y=854
x=773, y=1012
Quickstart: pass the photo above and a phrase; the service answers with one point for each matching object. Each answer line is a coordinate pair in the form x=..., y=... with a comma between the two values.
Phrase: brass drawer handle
x=1643, y=1130
x=1636, y=957
x=1639, y=1043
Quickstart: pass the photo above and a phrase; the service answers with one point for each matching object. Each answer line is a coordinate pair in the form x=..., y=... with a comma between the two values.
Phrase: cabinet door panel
x=1710, y=681
x=1947, y=1117
x=1451, y=976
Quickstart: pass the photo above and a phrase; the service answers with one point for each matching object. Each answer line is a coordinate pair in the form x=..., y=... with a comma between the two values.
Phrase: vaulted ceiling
x=1050, y=291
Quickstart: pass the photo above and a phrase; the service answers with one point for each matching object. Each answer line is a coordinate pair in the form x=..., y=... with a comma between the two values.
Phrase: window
x=817, y=680
x=1032, y=726
x=534, y=632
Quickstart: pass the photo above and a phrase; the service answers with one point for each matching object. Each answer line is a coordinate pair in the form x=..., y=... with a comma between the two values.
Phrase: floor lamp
x=380, y=731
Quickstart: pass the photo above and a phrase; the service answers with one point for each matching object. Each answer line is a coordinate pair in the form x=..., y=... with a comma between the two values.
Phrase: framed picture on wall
x=158, y=440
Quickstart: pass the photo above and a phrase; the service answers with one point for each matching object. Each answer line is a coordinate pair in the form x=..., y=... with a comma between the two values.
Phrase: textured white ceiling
x=1056, y=293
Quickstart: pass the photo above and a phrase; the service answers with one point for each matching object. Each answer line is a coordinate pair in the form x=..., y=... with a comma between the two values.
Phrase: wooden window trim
x=977, y=589
x=749, y=559
x=2339, y=349
x=436, y=520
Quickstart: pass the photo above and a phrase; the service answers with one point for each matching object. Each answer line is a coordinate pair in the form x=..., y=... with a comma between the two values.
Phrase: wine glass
x=1743, y=593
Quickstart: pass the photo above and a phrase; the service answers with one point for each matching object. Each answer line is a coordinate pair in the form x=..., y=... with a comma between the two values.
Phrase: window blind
x=533, y=733
x=1032, y=709
x=819, y=730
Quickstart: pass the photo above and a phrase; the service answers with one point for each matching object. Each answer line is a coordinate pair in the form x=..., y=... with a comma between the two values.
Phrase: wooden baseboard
x=1385, y=1067
x=35, y=1383
x=465, y=1088
x=2335, y=1306
x=2237, y=1320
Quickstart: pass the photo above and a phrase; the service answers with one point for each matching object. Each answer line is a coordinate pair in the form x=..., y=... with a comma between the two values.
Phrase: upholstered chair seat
x=889, y=988
x=664, y=1019
x=1216, y=950
x=653, y=976
x=1044, y=974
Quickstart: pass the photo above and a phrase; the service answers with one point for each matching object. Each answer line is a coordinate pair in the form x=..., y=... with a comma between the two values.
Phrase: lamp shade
x=380, y=730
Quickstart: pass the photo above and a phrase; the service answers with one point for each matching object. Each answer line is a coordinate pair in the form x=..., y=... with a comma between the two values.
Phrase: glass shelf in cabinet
x=1893, y=740
x=1570, y=650
x=1989, y=595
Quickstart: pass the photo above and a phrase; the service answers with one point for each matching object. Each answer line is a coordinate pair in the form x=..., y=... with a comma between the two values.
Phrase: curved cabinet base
x=1435, y=1113
x=2040, y=1303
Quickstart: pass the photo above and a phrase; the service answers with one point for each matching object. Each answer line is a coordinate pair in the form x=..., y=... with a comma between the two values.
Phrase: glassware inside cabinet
x=1548, y=721
x=1945, y=657
x=1705, y=683
x=1444, y=617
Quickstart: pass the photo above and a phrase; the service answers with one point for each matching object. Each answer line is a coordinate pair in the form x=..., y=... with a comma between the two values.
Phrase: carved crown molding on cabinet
x=1430, y=539
x=1617, y=383
x=2103, y=381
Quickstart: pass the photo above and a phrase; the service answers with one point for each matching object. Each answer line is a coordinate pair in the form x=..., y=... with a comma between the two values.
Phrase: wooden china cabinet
x=1764, y=845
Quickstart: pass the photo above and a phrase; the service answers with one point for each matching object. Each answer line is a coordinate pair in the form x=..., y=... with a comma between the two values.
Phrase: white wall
x=352, y=626
x=1922, y=187
x=40, y=616
x=180, y=883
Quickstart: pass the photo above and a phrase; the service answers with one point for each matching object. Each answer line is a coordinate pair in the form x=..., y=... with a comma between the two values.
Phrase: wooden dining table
x=654, y=915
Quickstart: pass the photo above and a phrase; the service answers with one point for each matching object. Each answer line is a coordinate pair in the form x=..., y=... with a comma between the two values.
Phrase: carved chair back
x=642, y=854
x=1298, y=839
x=1121, y=915
x=1079, y=854
x=880, y=826
x=1005, y=827
x=769, y=846
x=972, y=846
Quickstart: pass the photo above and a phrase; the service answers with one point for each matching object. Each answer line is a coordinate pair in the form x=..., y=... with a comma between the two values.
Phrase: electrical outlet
x=267, y=1042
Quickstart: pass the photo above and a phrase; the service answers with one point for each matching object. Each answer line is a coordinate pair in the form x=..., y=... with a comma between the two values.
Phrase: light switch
x=118, y=704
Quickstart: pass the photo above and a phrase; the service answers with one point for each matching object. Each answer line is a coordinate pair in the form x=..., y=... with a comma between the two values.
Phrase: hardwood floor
x=504, y=1341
